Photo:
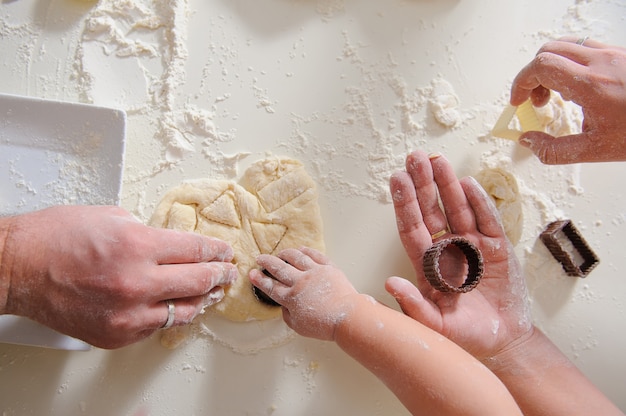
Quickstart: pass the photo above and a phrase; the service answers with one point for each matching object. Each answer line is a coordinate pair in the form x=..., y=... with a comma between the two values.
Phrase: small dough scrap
x=444, y=103
x=274, y=207
x=502, y=187
x=182, y=217
x=560, y=117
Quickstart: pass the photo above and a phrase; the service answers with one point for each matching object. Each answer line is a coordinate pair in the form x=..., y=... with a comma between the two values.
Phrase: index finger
x=176, y=247
x=173, y=281
x=551, y=71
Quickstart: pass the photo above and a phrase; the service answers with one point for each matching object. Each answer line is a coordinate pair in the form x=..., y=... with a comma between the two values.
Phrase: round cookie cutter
x=474, y=262
x=261, y=296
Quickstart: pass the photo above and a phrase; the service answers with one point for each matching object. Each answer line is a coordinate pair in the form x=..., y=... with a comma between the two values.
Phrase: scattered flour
x=247, y=338
x=185, y=129
x=329, y=8
x=371, y=142
x=385, y=141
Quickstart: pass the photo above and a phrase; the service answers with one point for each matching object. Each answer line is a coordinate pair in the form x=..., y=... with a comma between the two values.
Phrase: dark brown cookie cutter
x=474, y=261
x=550, y=238
x=261, y=296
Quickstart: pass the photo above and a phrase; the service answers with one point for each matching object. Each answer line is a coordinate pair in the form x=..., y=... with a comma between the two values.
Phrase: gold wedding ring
x=439, y=234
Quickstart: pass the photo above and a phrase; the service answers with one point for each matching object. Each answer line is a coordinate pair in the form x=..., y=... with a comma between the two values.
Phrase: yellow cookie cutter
x=526, y=116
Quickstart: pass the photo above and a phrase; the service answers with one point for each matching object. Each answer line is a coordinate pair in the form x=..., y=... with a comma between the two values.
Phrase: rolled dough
x=273, y=207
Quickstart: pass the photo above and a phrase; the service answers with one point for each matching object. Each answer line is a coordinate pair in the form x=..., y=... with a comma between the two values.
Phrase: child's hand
x=314, y=294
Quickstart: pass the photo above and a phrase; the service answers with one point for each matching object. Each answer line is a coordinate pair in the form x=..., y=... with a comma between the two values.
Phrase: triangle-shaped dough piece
x=526, y=116
x=181, y=217
x=267, y=235
x=223, y=211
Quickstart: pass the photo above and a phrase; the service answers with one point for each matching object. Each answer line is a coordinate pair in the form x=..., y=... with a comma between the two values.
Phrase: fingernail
x=524, y=141
x=434, y=155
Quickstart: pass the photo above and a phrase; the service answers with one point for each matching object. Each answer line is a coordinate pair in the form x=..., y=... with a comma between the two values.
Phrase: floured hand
x=593, y=75
x=97, y=274
x=496, y=312
x=314, y=294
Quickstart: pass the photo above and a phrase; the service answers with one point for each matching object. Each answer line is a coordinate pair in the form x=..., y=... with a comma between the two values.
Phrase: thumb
x=412, y=303
x=563, y=150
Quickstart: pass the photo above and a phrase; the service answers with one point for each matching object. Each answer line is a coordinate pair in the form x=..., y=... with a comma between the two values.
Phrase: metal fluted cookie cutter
x=474, y=265
x=564, y=250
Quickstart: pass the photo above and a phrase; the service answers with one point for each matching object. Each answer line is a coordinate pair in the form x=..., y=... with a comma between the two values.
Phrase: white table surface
x=343, y=85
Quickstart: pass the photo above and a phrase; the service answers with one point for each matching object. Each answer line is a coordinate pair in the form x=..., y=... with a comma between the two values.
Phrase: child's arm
x=428, y=373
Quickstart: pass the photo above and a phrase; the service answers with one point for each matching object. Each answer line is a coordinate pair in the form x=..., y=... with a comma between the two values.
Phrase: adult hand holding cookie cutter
x=474, y=264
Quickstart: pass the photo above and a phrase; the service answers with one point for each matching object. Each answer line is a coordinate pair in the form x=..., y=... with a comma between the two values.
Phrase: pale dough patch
x=444, y=103
x=502, y=188
x=560, y=117
x=273, y=207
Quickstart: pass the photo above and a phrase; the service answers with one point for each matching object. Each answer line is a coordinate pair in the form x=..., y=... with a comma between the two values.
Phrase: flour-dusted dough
x=274, y=207
x=502, y=187
x=444, y=103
